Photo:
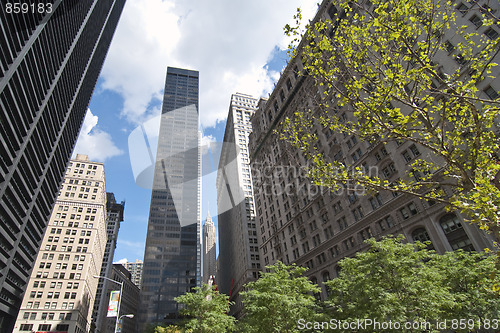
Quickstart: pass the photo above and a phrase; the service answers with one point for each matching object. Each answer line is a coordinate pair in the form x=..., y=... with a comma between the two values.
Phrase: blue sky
x=237, y=46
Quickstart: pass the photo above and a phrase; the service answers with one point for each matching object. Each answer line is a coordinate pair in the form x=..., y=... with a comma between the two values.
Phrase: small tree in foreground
x=152, y=328
x=405, y=282
x=208, y=310
x=278, y=299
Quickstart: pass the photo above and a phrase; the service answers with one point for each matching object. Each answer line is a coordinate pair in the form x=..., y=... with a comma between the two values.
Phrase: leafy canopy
x=377, y=68
x=208, y=310
x=405, y=282
x=278, y=299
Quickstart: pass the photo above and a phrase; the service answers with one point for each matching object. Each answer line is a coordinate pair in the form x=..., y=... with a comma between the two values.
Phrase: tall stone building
x=61, y=290
x=172, y=258
x=135, y=268
x=114, y=217
x=50, y=59
x=209, y=250
x=304, y=224
x=239, y=260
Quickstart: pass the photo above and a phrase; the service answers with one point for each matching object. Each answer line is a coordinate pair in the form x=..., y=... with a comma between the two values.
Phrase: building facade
x=209, y=250
x=239, y=260
x=129, y=302
x=50, y=60
x=135, y=269
x=61, y=290
x=313, y=227
x=172, y=258
x=114, y=217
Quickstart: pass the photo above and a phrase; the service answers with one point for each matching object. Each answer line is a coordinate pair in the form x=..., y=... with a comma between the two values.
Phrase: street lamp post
x=119, y=298
x=127, y=315
x=131, y=315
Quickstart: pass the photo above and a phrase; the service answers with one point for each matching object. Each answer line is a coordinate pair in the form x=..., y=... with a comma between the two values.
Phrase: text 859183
x=25, y=8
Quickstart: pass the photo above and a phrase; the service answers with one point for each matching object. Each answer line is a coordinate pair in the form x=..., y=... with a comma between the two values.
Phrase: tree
x=152, y=328
x=404, y=282
x=376, y=67
x=278, y=299
x=208, y=310
x=472, y=279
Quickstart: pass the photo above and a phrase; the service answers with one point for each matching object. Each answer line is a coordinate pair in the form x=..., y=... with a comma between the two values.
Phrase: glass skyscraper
x=172, y=257
x=50, y=59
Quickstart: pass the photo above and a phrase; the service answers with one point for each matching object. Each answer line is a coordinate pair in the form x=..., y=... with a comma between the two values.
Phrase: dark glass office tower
x=51, y=54
x=172, y=258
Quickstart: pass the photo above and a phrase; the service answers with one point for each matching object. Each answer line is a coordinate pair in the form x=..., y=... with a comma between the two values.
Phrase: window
x=455, y=234
x=332, y=11
x=358, y=213
x=26, y=327
x=412, y=208
x=476, y=20
x=44, y=327
x=316, y=240
x=376, y=201
x=389, y=170
x=305, y=247
x=326, y=276
x=421, y=235
x=462, y=8
x=313, y=225
x=329, y=232
x=321, y=258
x=365, y=234
x=357, y=155
x=295, y=254
x=449, y=46
x=491, y=33
x=302, y=233
x=349, y=243
x=352, y=197
x=337, y=207
x=492, y=93
x=334, y=251
x=450, y=223
x=406, y=156
x=460, y=59
x=386, y=223
x=414, y=150
x=342, y=223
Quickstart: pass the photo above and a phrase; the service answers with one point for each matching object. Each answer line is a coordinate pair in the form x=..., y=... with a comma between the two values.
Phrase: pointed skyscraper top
x=209, y=218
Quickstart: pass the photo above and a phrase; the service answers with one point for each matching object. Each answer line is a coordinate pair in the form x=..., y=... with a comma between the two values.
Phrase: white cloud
x=121, y=261
x=228, y=42
x=93, y=142
x=132, y=247
x=137, y=60
x=206, y=140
